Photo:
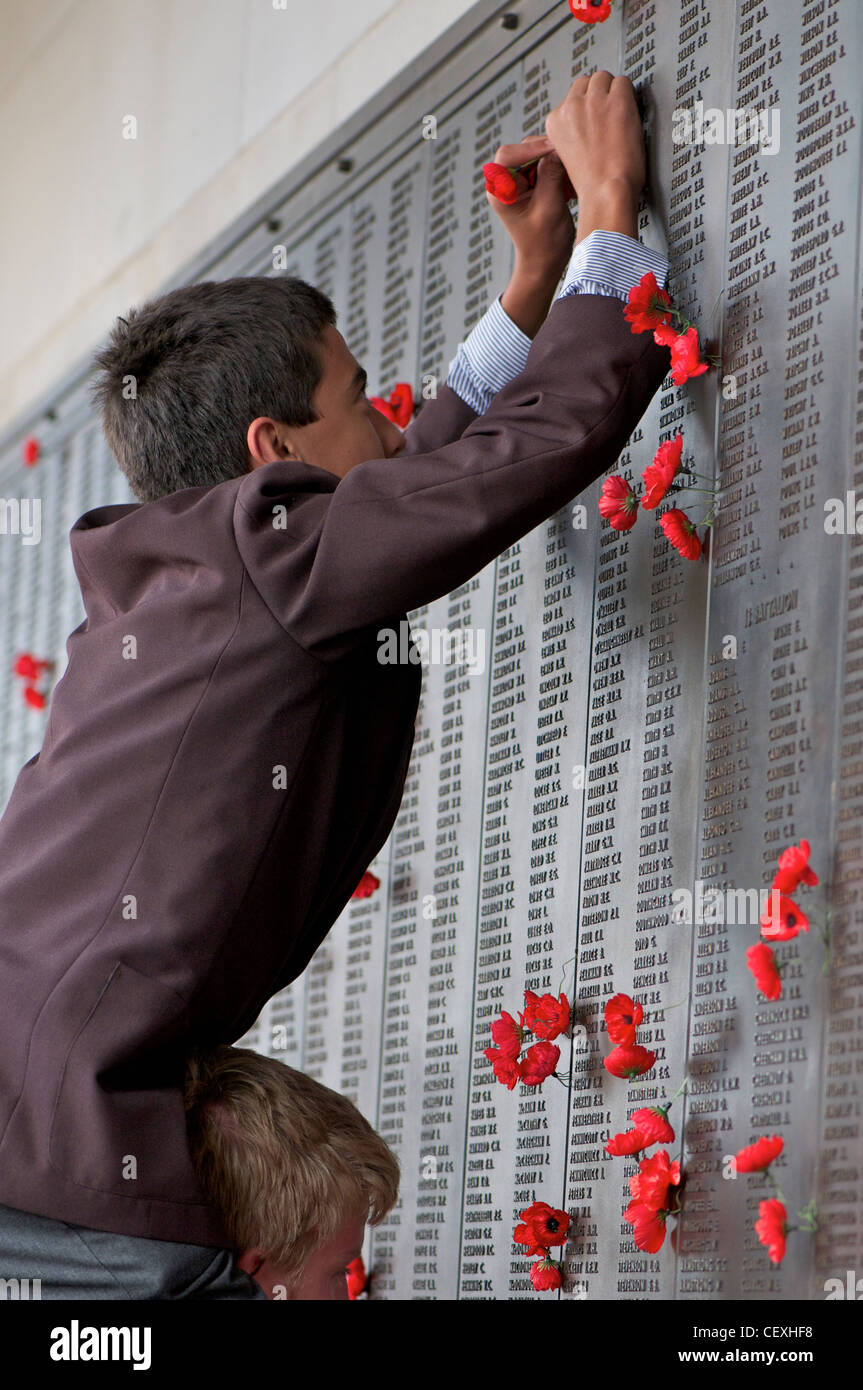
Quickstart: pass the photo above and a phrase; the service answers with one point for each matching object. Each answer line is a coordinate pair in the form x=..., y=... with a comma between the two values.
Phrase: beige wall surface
x=226, y=95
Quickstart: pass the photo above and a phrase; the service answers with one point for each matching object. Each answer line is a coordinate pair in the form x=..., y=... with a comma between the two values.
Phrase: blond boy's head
x=293, y=1167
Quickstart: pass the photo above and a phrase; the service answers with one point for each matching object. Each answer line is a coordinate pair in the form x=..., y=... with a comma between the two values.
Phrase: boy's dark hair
x=180, y=382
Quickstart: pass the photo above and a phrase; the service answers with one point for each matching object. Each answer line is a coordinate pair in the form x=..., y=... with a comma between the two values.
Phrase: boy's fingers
x=526, y=149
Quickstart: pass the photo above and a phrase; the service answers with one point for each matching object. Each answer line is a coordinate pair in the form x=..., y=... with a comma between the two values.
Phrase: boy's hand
x=597, y=132
x=539, y=222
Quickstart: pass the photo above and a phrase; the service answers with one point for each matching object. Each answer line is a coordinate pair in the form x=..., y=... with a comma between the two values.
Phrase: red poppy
x=762, y=963
x=681, y=533
x=647, y=306
x=652, y=1184
x=507, y=1034
x=545, y=1274
x=652, y=1189
x=384, y=407
x=507, y=1069
x=665, y=335
x=618, y=503
x=622, y=1017
x=357, y=1278
x=500, y=183
x=30, y=450
x=538, y=1063
x=794, y=868
x=648, y=1226
x=591, y=11
x=659, y=475
x=650, y=1127
x=629, y=1060
x=759, y=1155
x=771, y=1228
x=547, y=1017
x=686, y=360
x=367, y=885
x=402, y=403
x=785, y=922
x=541, y=1227
x=34, y=697
x=28, y=667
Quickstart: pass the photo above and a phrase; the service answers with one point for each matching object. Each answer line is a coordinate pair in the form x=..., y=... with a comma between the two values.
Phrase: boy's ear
x=250, y=1261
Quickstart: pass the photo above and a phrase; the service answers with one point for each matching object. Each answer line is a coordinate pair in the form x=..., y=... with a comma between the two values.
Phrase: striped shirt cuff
x=611, y=263
x=492, y=354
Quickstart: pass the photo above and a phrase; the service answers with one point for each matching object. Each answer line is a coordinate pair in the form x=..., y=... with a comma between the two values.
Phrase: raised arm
x=387, y=539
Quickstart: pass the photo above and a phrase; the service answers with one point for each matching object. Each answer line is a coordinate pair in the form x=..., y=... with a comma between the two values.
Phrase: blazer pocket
x=118, y=1124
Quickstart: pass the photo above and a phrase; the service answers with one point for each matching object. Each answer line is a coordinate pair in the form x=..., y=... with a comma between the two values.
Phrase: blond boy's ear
x=250, y=1261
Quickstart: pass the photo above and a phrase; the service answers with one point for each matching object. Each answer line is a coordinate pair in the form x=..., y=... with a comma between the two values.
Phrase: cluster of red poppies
x=772, y=1224
x=400, y=406
x=31, y=671
x=546, y=1018
x=649, y=309
x=782, y=919
x=542, y=1228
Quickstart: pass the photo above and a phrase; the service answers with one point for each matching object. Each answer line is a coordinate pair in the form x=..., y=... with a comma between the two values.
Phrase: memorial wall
x=638, y=736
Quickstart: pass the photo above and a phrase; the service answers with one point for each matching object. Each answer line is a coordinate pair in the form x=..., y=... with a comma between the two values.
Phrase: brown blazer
x=201, y=811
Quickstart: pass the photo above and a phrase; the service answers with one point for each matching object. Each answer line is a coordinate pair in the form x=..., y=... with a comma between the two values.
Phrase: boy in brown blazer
x=225, y=754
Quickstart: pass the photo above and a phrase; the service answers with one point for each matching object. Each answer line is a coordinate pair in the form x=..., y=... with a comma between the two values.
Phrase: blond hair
x=283, y=1158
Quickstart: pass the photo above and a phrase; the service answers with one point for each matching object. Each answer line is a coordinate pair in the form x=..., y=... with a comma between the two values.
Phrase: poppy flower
x=590, y=11
x=31, y=450
x=758, y=1156
x=647, y=306
x=650, y=1127
x=367, y=885
x=771, y=1228
x=762, y=964
x=648, y=1226
x=665, y=335
x=384, y=407
x=652, y=1190
x=507, y=1068
x=545, y=1274
x=547, y=1017
x=402, y=403
x=538, y=1063
x=629, y=1060
x=541, y=1227
x=28, y=667
x=507, y=1034
x=357, y=1277
x=686, y=360
x=681, y=533
x=500, y=183
x=785, y=922
x=794, y=868
x=659, y=475
x=34, y=697
x=618, y=503
x=652, y=1184
x=622, y=1017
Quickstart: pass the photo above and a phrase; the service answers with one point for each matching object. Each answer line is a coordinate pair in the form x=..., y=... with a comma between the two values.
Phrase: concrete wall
x=227, y=96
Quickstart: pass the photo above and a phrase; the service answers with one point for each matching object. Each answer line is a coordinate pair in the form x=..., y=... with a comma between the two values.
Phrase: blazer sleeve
x=389, y=538
x=439, y=421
